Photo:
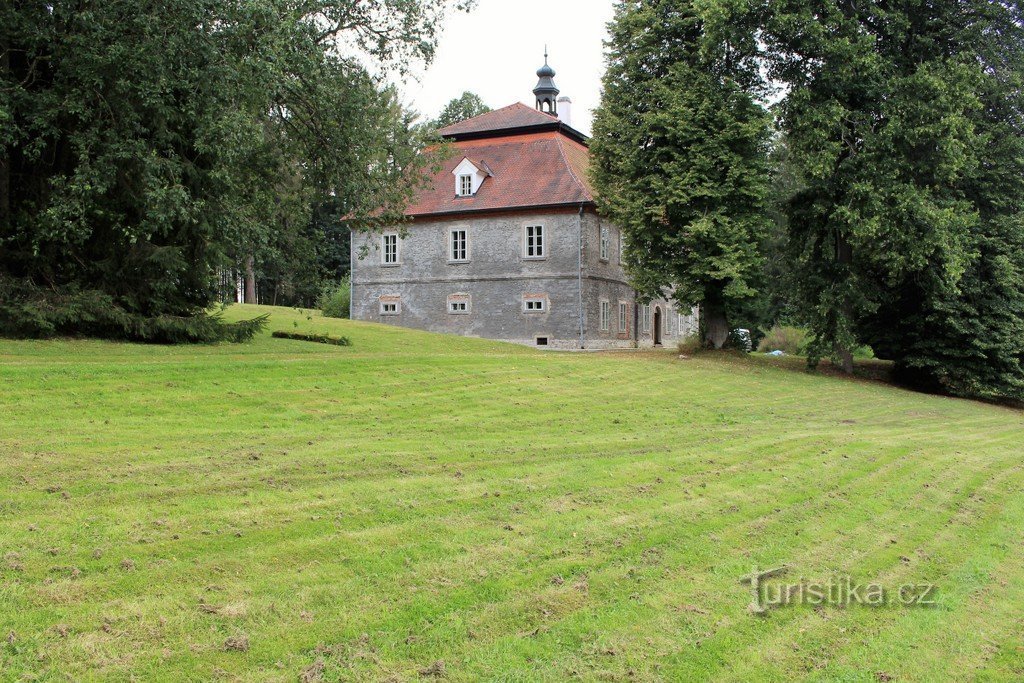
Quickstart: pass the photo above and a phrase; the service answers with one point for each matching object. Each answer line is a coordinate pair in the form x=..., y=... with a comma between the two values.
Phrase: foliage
x=463, y=107
x=27, y=311
x=326, y=504
x=312, y=337
x=146, y=147
x=905, y=123
x=680, y=151
x=335, y=299
x=791, y=340
x=690, y=344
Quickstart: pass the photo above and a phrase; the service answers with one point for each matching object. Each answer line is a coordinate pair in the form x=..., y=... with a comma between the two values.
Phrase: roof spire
x=546, y=90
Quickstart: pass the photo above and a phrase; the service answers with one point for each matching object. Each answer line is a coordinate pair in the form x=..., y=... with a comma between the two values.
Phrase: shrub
x=690, y=344
x=312, y=337
x=334, y=300
x=790, y=340
x=32, y=312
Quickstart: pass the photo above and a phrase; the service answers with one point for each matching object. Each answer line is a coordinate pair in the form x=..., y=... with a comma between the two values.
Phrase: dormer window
x=469, y=177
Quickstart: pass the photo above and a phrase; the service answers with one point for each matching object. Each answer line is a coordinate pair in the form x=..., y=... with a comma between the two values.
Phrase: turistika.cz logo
x=838, y=592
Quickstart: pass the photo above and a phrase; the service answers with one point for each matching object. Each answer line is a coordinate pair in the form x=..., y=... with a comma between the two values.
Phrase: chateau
x=505, y=243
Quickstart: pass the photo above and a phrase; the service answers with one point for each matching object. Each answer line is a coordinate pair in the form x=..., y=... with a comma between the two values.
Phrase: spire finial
x=546, y=91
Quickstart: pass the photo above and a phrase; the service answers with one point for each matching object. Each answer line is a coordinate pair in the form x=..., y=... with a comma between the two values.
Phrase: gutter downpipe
x=579, y=282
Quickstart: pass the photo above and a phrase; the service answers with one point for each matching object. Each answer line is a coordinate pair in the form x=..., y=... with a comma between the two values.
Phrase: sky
x=496, y=49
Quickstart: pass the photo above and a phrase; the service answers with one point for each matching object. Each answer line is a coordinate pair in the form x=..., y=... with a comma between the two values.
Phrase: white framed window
x=459, y=304
x=604, y=242
x=389, y=249
x=623, y=316
x=533, y=241
x=535, y=303
x=465, y=185
x=606, y=316
x=390, y=305
x=622, y=248
x=458, y=245
x=645, y=318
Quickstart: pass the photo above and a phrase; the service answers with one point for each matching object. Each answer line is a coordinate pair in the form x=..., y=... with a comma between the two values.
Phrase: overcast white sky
x=496, y=49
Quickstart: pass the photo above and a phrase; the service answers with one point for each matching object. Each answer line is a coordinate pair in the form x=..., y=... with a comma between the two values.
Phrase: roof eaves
x=504, y=209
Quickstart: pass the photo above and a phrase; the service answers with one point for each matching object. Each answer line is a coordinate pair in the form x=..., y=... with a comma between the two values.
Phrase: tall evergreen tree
x=905, y=121
x=680, y=147
x=146, y=146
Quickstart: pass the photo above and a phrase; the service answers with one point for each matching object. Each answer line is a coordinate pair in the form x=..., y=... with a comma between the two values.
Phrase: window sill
x=390, y=265
x=458, y=263
x=535, y=258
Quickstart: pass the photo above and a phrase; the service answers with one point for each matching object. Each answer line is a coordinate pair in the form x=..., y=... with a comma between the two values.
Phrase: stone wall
x=493, y=284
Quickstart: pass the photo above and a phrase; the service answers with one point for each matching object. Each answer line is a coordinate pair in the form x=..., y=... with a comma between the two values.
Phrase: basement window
x=535, y=304
x=542, y=341
x=459, y=304
x=390, y=305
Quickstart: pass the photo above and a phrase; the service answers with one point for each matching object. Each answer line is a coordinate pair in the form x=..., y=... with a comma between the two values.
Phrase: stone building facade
x=506, y=243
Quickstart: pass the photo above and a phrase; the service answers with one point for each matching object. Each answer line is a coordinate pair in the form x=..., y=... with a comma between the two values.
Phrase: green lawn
x=282, y=508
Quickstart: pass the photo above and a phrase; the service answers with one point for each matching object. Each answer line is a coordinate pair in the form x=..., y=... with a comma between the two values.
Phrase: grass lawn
x=284, y=509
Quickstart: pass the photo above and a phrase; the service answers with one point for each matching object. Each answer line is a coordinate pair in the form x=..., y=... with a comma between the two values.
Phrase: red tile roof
x=546, y=168
x=531, y=157
x=516, y=115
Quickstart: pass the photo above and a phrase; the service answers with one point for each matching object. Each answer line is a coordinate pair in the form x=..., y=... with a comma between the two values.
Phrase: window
x=389, y=249
x=623, y=317
x=622, y=248
x=458, y=304
x=390, y=305
x=604, y=242
x=606, y=314
x=534, y=241
x=542, y=341
x=645, y=318
x=465, y=185
x=535, y=304
x=458, y=245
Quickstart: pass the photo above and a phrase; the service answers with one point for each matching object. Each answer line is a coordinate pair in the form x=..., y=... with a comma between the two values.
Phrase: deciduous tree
x=680, y=151
x=145, y=146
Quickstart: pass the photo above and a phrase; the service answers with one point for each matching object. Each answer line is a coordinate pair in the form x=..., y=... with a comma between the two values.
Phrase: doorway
x=656, y=328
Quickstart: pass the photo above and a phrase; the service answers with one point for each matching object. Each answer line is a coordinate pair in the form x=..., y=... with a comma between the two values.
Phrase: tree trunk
x=844, y=255
x=5, y=158
x=250, y=281
x=845, y=359
x=716, y=326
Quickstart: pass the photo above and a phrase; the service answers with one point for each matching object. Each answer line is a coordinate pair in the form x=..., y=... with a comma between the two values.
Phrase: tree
x=146, y=147
x=905, y=122
x=463, y=107
x=680, y=146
